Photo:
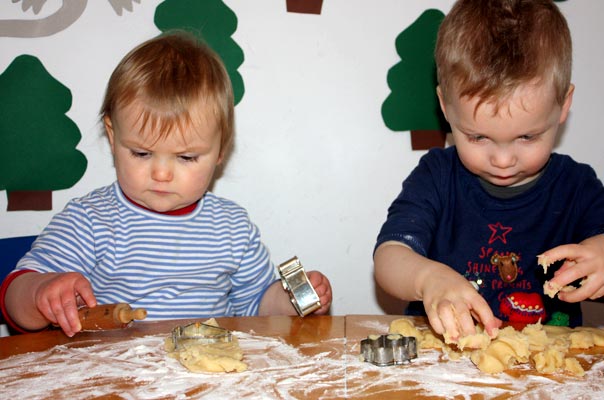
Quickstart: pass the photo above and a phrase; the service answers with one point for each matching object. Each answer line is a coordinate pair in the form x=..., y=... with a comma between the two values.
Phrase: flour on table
x=276, y=370
x=374, y=325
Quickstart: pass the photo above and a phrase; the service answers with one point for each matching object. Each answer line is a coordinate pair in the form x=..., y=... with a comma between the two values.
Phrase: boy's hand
x=452, y=304
x=58, y=297
x=584, y=261
x=323, y=288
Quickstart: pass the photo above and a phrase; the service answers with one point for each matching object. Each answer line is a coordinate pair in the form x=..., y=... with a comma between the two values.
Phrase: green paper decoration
x=412, y=104
x=37, y=139
x=212, y=21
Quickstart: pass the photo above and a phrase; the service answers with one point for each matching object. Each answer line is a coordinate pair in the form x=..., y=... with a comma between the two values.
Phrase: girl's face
x=509, y=147
x=163, y=174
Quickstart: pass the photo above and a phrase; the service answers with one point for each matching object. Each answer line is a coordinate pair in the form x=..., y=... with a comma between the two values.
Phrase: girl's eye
x=189, y=158
x=527, y=138
x=139, y=153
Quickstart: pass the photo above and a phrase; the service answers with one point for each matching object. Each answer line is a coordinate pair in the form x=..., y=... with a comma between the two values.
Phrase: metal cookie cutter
x=296, y=283
x=199, y=333
x=392, y=349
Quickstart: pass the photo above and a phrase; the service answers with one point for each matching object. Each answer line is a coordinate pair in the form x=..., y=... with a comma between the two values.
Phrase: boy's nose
x=503, y=159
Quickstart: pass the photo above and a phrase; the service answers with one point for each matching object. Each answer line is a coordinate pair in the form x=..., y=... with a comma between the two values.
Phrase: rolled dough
x=208, y=357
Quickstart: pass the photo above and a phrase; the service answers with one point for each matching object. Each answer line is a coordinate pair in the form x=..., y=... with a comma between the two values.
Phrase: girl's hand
x=59, y=296
x=323, y=288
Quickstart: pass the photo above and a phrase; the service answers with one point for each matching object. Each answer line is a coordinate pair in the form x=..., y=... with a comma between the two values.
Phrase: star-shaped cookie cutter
x=391, y=349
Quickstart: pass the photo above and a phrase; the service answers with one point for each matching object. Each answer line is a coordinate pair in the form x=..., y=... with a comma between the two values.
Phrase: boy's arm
x=584, y=261
x=398, y=270
x=449, y=299
x=35, y=300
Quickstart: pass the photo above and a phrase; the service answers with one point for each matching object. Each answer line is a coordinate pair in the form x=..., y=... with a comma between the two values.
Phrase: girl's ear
x=567, y=103
x=109, y=132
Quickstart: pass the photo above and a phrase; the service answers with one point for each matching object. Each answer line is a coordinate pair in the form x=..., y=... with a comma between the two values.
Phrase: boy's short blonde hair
x=488, y=48
x=169, y=75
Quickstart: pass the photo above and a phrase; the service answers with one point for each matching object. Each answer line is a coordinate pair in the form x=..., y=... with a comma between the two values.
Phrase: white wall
x=313, y=161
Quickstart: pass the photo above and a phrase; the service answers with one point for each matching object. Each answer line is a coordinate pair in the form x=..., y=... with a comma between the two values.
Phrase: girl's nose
x=162, y=171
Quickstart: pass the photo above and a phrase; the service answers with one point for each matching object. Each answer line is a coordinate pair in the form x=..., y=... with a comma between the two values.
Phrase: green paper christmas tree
x=212, y=21
x=412, y=104
x=37, y=139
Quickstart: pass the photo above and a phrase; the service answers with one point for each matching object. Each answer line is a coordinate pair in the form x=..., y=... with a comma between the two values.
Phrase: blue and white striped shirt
x=208, y=263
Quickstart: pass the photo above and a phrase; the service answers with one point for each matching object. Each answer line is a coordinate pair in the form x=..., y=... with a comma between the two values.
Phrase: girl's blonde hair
x=168, y=75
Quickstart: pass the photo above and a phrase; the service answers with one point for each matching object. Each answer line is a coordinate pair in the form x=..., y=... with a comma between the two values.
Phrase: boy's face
x=511, y=147
x=165, y=174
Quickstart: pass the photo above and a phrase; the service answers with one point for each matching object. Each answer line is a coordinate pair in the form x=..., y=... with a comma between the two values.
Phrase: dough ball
x=431, y=341
x=572, y=365
x=548, y=361
x=405, y=327
x=478, y=340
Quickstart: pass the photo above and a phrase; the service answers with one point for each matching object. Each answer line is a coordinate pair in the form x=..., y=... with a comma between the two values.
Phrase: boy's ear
x=567, y=103
x=109, y=132
x=441, y=101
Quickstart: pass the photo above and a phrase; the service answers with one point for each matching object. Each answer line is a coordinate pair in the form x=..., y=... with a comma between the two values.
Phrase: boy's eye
x=476, y=138
x=527, y=138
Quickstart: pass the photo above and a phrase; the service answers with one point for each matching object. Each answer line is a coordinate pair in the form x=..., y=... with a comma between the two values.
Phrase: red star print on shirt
x=498, y=232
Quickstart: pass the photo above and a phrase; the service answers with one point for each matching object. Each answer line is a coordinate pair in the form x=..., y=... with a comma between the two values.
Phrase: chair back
x=11, y=251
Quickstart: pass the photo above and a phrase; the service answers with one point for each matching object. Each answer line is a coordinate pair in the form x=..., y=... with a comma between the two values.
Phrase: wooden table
x=316, y=357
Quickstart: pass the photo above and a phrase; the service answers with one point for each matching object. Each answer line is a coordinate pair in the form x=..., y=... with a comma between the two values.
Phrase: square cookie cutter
x=301, y=293
x=199, y=333
x=386, y=350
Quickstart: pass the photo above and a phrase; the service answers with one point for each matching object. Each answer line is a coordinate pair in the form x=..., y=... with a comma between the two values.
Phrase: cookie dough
x=208, y=357
x=544, y=262
x=406, y=327
x=509, y=348
x=479, y=340
x=545, y=348
x=551, y=289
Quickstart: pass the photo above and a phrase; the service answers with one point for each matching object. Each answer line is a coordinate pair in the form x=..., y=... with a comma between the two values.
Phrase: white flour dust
x=432, y=374
x=139, y=369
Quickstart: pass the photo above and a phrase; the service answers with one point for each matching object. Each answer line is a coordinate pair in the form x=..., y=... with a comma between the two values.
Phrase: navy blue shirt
x=445, y=214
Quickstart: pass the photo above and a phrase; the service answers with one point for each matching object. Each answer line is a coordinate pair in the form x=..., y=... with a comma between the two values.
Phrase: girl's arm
x=35, y=300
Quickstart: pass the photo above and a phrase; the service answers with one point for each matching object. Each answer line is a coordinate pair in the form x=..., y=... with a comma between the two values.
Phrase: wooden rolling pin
x=109, y=316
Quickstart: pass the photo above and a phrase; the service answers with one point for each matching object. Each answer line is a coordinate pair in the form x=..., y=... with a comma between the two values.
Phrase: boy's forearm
x=400, y=271
x=20, y=302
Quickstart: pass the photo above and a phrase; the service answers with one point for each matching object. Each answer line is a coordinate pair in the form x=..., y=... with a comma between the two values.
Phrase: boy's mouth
x=501, y=180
